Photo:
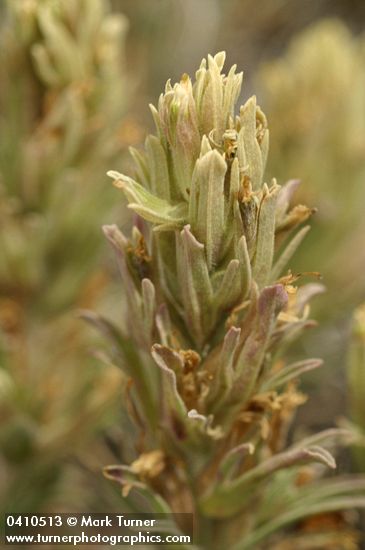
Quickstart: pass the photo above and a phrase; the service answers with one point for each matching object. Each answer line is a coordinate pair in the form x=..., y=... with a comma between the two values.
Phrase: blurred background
x=76, y=77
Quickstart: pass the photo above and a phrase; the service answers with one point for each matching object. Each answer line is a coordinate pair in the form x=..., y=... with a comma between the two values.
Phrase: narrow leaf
x=288, y=253
x=291, y=371
x=207, y=196
x=229, y=498
x=150, y=207
x=271, y=302
x=195, y=283
x=264, y=253
x=165, y=358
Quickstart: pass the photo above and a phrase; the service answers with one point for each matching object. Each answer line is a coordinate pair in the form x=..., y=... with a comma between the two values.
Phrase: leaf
x=206, y=206
x=229, y=290
x=157, y=121
x=147, y=205
x=141, y=168
x=284, y=197
x=264, y=251
x=123, y=475
x=132, y=365
x=136, y=320
x=211, y=116
x=168, y=360
x=163, y=324
x=233, y=459
x=271, y=301
x=157, y=161
x=245, y=266
x=229, y=498
x=165, y=255
x=224, y=373
x=286, y=332
x=195, y=284
x=231, y=91
x=234, y=187
x=305, y=293
x=321, y=497
x=248, y=149
x=332, y=437
x=289, y=372
x=236, y=280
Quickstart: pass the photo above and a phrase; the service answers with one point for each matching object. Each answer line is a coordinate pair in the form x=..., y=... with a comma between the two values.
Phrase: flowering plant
x=211, y=310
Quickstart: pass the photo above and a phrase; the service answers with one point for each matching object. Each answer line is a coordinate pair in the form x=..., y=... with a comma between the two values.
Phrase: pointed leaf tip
x=114, y=236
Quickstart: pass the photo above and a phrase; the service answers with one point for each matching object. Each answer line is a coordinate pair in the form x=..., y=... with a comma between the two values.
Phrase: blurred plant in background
x=315, y=102
x=165, y=34
x=210, y=312
x=63, y=97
